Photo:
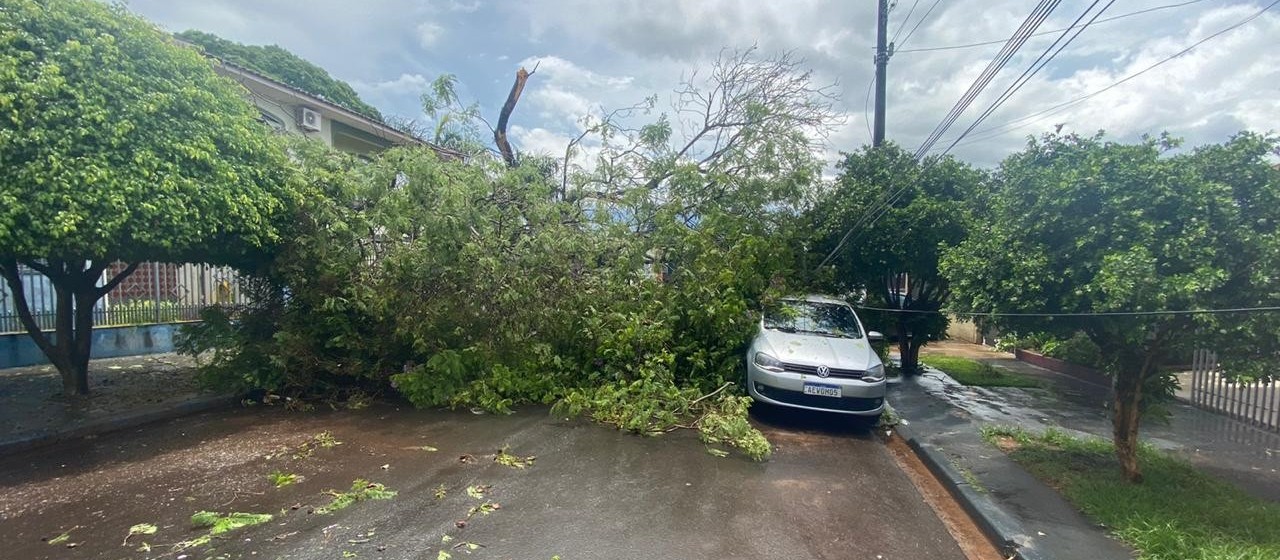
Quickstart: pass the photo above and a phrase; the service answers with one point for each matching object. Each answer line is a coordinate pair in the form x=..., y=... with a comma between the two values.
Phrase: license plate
x=822, y=390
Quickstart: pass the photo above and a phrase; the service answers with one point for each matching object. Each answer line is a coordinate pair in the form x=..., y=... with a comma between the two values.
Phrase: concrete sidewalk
x=1236, y=452
x=123, y=392
x=1011, y=504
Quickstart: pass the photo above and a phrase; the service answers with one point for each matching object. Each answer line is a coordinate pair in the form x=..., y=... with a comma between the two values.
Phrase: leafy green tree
x=1082, y=225
x=920, y=208
x=118, y=144
x=278, y=63
x=626, y=292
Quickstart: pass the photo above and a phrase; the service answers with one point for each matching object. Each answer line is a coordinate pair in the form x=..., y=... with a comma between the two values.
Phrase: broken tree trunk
x=500, y=133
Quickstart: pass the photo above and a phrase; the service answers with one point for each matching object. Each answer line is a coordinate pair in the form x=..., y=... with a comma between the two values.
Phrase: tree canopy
x=1084, y=225
x=921, y=208
x=627, y=291
x=118, y=144
x=278, y=63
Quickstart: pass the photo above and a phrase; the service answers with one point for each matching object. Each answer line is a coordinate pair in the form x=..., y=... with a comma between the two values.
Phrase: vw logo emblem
x=824, y=371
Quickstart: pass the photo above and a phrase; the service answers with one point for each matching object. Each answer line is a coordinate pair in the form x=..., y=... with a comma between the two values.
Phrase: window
x=809, y=317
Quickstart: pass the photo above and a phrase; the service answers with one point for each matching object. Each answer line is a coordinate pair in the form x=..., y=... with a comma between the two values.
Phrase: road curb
x=997, y=525
x=119, y=422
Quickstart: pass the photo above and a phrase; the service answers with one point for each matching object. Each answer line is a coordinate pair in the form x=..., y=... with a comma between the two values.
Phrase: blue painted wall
x=108, y=342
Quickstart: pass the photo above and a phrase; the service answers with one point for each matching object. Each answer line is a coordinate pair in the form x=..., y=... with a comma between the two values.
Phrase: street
x=591, y=493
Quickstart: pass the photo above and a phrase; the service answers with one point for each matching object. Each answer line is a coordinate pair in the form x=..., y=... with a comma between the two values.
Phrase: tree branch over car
x=120, y=145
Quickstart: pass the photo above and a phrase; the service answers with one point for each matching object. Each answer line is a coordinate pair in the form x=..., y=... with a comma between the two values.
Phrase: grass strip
x=1177, y=513
x=973, y=372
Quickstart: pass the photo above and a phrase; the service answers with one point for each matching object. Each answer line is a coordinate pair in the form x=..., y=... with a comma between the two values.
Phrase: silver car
x=813, y=353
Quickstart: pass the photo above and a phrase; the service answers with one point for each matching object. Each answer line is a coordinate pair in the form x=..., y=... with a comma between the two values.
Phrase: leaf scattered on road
x=506, y=458
x=468, y=547
x=139, y=529
x=219, y=523
x=64, y=537
x=478, y=491
x=281, y=479
x=360, y=490
x=484, y=509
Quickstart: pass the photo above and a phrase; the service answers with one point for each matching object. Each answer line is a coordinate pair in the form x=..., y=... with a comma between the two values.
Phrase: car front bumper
x=858, y=397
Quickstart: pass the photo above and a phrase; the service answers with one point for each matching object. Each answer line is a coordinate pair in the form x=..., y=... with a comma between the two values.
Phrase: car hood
x=808, y=349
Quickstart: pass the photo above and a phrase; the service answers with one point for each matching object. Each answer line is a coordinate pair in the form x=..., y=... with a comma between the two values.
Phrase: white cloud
x=539, y=141
x=429, y=34
x=563, y=92
x=564, y=72
x=456, y=5
x=605, y=55
x=406, y=83
x=1230, y=82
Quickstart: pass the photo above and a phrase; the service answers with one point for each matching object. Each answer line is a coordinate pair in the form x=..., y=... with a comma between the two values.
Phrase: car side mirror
x=874, y=336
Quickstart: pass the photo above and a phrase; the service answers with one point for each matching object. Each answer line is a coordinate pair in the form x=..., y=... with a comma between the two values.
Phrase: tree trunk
x=908, y=357
x=913, y=352
x=1128, y=401
x=504, y=116
x=85, y=298
x=76, y=292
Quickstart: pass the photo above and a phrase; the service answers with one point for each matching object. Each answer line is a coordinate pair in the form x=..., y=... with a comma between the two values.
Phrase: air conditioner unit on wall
x=309, y=119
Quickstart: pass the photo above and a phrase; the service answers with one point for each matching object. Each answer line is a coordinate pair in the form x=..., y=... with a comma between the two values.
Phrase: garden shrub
x=1077, y=349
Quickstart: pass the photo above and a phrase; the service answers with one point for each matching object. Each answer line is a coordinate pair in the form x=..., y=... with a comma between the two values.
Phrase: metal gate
x=1256, y=403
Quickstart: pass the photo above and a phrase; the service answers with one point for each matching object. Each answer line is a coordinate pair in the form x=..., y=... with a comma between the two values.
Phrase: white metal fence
x=154, y=293
x=1256, y=403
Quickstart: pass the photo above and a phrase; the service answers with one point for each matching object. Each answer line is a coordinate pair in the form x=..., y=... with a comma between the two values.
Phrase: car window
x=828, y=319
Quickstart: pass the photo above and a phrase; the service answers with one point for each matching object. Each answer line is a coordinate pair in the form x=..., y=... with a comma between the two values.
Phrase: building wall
x=108, y=342
x=288, y=114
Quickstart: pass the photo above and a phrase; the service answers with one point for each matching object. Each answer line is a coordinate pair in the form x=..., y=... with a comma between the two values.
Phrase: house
x=145, y=304
x=293, y=111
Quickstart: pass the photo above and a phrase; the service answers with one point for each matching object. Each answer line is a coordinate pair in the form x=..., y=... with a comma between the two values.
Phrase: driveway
x=591, y=493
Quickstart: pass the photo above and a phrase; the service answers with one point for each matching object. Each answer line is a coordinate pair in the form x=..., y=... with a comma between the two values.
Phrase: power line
x=917, y=26
x=1040, y=115
x=1081, y=314
x=1019, y=37
x=866, y=108
x=1038, y=64
x=1002, y=58
x=902, y=25
x=1045, y=58
x=1104, y=20
x=1033, y=21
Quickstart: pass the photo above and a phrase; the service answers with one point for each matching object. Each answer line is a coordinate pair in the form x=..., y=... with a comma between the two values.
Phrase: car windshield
x=827, y=319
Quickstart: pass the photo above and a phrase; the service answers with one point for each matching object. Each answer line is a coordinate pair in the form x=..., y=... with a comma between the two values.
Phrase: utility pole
x=882, y=62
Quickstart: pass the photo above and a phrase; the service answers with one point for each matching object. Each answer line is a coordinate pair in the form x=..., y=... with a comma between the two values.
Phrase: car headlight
x=767, y=362
x=874, y=373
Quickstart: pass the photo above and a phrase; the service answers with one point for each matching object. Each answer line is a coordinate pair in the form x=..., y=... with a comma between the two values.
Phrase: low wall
x=1066, y=368
x=964, y=330
x=108, y=342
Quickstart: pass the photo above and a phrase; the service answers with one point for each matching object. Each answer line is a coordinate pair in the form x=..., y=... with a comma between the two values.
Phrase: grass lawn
x=1177, y=513
x=973, y=372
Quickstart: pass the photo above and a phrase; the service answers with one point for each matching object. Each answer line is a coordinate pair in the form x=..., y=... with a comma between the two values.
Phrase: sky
x=597, y=55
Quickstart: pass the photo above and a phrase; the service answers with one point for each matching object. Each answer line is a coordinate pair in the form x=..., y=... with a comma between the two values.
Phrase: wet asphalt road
x=592, y=493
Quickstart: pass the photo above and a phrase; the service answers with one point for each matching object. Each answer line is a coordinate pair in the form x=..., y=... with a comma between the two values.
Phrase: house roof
x=329, y=109
x=253, y=80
